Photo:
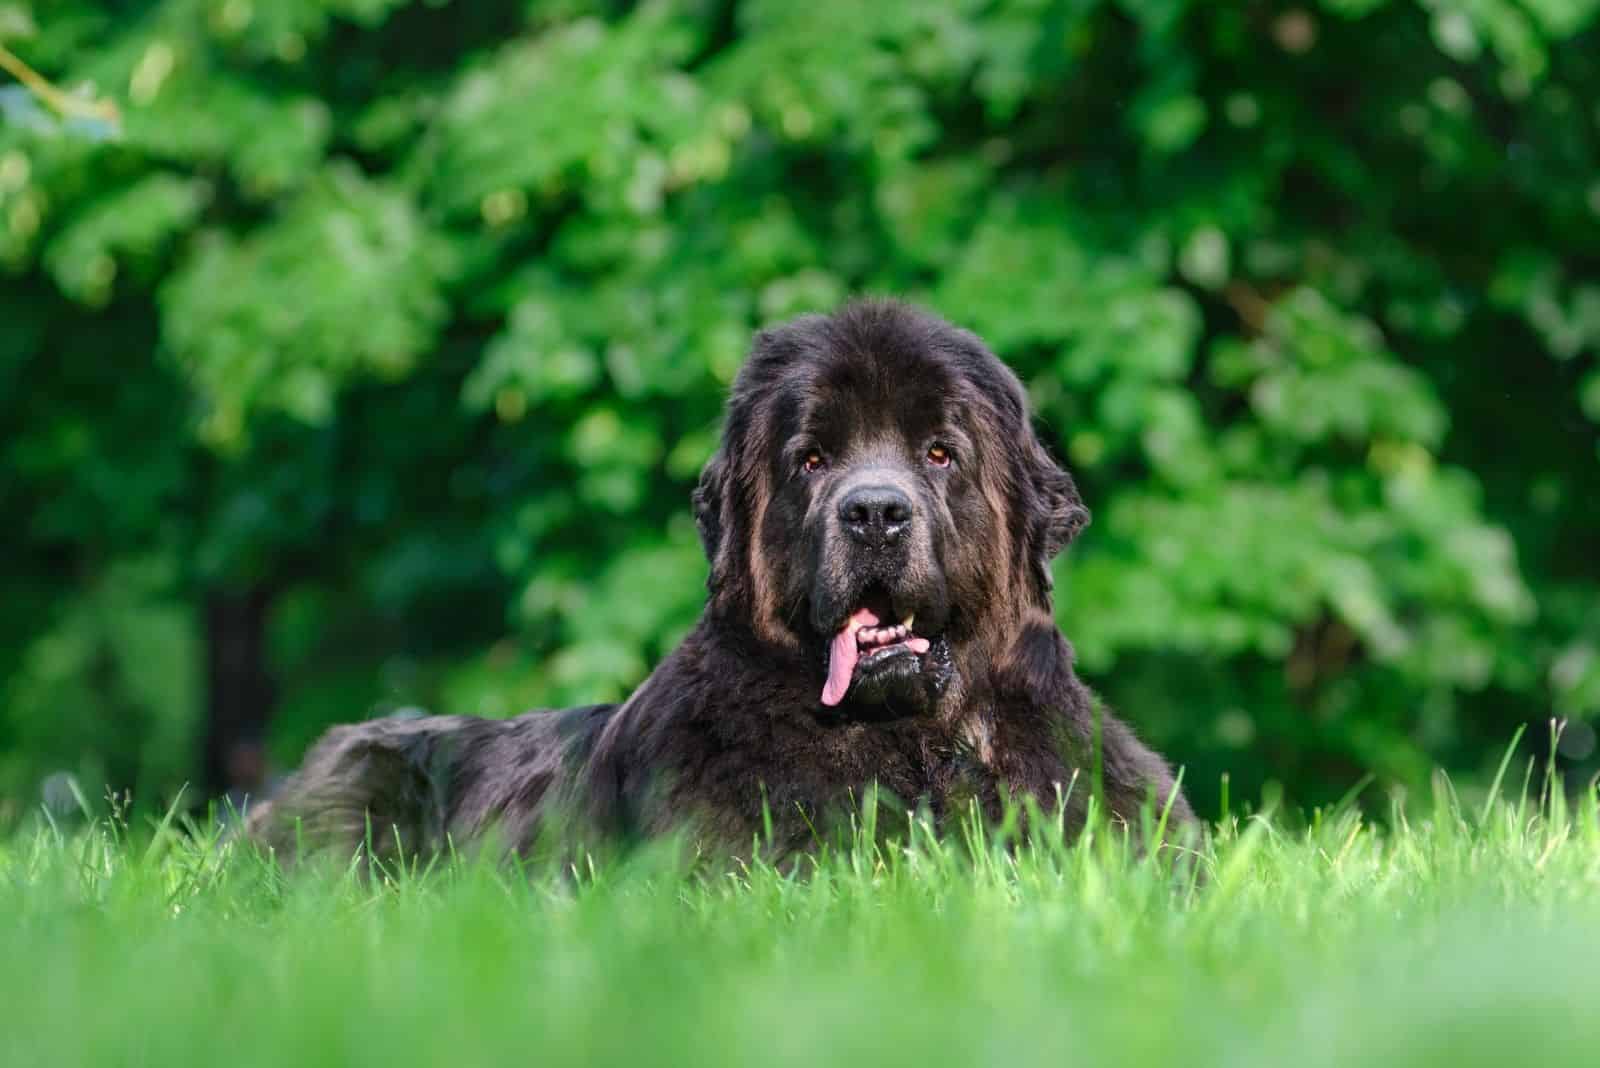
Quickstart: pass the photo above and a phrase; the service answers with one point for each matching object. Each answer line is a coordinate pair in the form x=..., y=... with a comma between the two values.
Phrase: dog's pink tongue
x=841, y=663
x=842, y=656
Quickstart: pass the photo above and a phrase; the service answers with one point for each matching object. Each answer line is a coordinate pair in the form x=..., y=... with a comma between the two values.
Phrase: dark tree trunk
x=240, y=693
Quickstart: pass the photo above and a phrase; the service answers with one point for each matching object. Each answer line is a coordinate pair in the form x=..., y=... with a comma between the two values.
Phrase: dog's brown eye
x=812, y=463
x=939, y=456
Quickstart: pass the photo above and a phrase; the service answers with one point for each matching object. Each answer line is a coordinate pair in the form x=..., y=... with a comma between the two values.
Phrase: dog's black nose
x=875, y=516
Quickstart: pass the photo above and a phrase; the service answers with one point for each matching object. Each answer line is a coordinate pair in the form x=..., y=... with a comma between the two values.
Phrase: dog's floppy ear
x=707, y=500
x=1058, y=513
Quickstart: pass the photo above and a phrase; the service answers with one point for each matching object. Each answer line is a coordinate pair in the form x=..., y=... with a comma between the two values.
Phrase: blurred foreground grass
x=1463, y=934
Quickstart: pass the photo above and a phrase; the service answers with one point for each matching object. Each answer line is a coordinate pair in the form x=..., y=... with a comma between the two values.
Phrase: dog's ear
x=708, y=504
x=1058, y=513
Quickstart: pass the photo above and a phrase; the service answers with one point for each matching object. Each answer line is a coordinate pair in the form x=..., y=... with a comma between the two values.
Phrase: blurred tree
x=378, y=354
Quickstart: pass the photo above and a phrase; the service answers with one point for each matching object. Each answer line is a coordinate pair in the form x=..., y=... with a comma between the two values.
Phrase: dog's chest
x=915, y=764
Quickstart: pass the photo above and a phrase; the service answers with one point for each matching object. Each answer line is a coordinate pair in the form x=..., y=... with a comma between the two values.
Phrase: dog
x=880, y=519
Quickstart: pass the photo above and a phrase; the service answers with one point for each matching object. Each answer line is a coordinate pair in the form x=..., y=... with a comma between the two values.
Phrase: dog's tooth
x=906, y=622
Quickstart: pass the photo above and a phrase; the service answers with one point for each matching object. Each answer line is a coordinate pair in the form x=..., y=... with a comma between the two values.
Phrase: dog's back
x=410, y=785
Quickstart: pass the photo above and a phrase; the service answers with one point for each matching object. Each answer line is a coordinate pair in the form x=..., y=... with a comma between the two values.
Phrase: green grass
x=1460, y=935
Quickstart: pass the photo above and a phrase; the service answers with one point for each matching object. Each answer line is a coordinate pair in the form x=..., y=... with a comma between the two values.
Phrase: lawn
x=1453, y=933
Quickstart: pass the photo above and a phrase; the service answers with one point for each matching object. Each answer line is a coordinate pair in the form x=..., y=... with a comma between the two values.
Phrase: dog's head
x=881, y=504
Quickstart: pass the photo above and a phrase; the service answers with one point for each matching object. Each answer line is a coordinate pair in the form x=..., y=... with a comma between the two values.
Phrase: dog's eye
x=939, y=456
x=813, y=462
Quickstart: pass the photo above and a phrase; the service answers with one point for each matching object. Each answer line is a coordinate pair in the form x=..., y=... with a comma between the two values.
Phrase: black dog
x=880, y=521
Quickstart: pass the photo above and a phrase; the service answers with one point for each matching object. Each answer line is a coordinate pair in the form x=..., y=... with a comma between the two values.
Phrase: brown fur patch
x=766, y=619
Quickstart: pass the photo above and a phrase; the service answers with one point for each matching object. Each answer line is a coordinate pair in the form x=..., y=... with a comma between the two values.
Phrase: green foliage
x=112, y=677
x=343, y=284
x=1465, y=937
x=421, y=312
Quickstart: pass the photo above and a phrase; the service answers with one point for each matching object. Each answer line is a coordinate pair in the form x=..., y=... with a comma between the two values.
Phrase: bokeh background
x=369, y=364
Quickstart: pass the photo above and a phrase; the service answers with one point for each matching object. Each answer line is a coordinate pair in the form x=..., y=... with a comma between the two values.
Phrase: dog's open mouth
x=867, y=639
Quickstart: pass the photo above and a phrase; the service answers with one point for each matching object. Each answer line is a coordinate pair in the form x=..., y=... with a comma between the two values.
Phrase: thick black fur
x=729, y=732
